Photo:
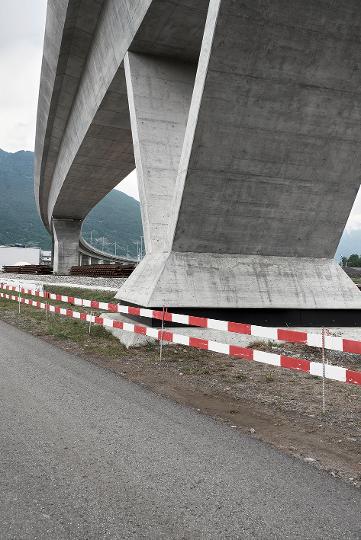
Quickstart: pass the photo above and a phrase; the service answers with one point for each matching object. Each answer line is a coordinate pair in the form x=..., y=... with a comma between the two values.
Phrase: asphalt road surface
x=86, y=454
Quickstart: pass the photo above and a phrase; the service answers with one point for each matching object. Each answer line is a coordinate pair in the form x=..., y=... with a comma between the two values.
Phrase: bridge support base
x=217, y=281
x=66, y=244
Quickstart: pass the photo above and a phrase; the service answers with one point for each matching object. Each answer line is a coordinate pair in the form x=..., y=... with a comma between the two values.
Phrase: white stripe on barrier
x=334, y=343
x=180, y=319
x=218, y=347
x=218, y=325
x=336, y=373
x=152, y=332
x=264, y=331
x=267, y=358
x=181, y=340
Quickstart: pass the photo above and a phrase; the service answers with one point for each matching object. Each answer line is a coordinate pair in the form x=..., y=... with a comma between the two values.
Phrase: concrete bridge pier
x=263, y=165
x=66, y=244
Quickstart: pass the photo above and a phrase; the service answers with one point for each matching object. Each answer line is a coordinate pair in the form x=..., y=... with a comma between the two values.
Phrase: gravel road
x=75, y=281
x=86, y=454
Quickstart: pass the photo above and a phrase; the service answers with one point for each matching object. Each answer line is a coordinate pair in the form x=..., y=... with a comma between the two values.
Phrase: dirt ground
x=278, y=406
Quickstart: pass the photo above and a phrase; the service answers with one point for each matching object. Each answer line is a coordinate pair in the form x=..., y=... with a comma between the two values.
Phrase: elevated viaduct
x=243, y=119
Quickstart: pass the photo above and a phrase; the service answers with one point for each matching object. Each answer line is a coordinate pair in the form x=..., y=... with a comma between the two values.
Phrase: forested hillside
x=116, y=217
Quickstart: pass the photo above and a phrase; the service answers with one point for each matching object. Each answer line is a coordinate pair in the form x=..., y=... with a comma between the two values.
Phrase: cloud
x=354, y=220
x=130, y=185
x=22, y=25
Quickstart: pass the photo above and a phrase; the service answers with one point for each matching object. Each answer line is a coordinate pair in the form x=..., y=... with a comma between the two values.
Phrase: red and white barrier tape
x=333, y=343
x=335, y=373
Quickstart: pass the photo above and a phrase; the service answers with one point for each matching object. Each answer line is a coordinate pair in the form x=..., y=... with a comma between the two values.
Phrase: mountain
x=116, y=217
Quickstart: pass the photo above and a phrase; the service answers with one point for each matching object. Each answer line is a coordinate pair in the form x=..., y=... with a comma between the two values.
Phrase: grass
x=240, y=376
x=88, y=294
x=99, y=342
x=269, y=377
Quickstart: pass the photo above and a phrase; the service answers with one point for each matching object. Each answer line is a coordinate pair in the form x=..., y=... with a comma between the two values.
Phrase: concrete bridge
x=243, y=119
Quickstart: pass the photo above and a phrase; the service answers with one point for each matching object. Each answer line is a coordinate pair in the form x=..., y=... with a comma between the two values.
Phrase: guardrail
x=334, y=343
x=317, y=369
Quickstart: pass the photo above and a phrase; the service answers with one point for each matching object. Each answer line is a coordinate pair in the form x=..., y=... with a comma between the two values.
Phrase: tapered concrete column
x=66, y=244
x=159, y=94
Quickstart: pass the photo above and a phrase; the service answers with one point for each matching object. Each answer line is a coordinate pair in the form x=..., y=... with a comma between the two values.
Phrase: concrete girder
x=112, y=27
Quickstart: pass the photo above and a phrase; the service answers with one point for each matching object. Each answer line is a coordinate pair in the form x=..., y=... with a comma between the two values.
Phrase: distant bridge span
x=243, y=119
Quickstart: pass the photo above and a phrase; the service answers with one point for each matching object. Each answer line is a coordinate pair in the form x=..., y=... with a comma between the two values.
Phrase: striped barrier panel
x=336, y=373
x=334, y=343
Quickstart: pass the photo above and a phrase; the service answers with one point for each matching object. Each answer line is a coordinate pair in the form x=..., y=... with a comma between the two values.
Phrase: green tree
x=344, y=261
x=354, y=260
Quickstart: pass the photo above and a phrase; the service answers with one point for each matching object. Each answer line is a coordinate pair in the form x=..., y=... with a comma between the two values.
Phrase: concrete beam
x=66, y=233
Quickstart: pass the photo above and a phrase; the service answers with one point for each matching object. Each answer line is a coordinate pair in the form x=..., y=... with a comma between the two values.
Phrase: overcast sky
x=22, y=25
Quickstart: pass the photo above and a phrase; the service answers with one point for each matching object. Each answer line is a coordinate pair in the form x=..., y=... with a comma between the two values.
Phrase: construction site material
x=103, y=270
x=38, y=269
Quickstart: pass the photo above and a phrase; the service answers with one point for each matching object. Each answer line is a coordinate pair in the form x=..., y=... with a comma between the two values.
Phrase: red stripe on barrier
x=133, y=310
x=58, y=297
x=94, y=304
x=71, y=299
x=83, y=316
x=292, y=336
x=69, y=312
x=165, y=336
x=239, y=328
x=198, y=343
x=202, y=322
x=117, y=324
x=98, y=320
x=353, y=377
x=241, y=352
x=295, y=363
x=163, y=315
x=140, y=329
x=57, y=309
x=351, y=346
x=113, y=307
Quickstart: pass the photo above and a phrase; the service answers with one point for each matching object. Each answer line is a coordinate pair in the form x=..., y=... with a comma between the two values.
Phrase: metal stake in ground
x=323, y=372
x=90, y=322
x=161, y=337
x=19, y=298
